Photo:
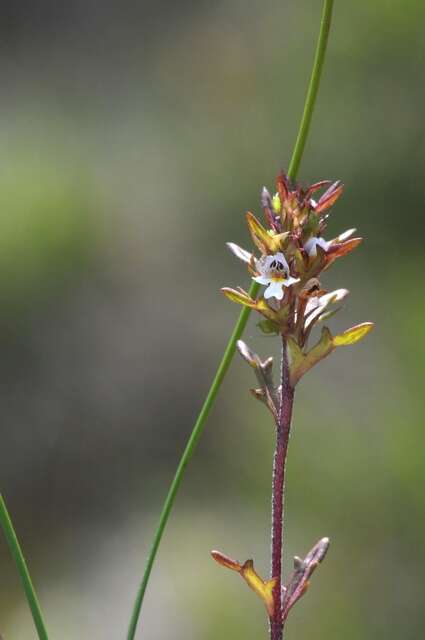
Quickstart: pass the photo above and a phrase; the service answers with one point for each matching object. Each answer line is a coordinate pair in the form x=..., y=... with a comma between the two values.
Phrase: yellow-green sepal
x=302, y=362
x=353, y=335
x=240, y=297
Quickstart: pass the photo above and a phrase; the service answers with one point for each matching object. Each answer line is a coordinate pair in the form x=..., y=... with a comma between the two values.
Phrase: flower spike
x=291, y=252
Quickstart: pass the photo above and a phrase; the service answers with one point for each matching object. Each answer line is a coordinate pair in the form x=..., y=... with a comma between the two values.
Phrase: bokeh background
x=133, y=137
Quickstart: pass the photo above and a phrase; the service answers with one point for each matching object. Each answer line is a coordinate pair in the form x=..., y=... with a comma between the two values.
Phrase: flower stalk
x=283, y=429
x=240, y=325
x=293, y=256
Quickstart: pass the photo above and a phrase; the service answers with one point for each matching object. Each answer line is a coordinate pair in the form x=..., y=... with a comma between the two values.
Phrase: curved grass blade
x=22, y=567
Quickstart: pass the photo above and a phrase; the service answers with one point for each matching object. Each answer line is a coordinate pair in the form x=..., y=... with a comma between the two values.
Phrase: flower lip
x=274, y=273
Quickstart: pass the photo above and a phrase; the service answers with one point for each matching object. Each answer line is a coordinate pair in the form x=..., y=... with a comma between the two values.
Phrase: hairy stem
x=283, y=429
x=239, y=327
x=21, y=565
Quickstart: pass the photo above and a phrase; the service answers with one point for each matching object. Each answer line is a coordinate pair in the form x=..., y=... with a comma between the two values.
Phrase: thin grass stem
x=21, y=565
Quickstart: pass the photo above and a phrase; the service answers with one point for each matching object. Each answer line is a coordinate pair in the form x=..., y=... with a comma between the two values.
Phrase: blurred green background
x=133, y=137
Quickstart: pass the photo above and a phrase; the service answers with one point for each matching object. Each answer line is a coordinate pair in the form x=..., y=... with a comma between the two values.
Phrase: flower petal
x=281, y=258
x=344, y=236
x=317, y=304
x=240, y=253
x=290, y=281
x=274, y=290
x=312, y=244
x=262, y=280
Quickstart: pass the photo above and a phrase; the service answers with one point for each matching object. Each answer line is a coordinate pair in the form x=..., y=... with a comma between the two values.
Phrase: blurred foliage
x=132, y=141
x=47, y=235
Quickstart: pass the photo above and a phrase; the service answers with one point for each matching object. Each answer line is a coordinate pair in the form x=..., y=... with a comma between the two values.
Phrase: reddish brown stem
x=283, y=428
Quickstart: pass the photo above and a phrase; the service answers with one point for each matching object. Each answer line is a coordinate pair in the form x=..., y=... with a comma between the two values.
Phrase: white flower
x=312, y=244
x=274, y=272
x=240, y=253
x=317, y=305
x=344, y=236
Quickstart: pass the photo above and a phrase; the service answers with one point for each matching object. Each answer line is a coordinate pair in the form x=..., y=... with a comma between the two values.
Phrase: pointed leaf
x=264, y=589
x=249, y=356
x=239, y=297
x=259, y=235
x=315, y=187
x=299, y=261
x=296, y=355
x=225, y=561
x=266, y=204
x=340, y=249
x=353, y=335
x=283, y=186
x=264, y=375
x=301, y=363
x=329, y=197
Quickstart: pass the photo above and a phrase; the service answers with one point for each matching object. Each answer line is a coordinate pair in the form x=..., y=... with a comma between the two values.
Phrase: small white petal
x=290, y=281
x=344, y=236
x=321, y=242
x=274, y=290
x=266, y=262
x=261, y=267
x=321, y=302
x=312, y=244
x=334, y=296
x=240, y=253
x=313, y=303
x=316, y=306
x=281, y=258
x=262, y=280
x=310, y=247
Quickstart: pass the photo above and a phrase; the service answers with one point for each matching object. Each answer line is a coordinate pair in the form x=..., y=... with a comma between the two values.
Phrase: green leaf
x=268, y=327
x=303, y=362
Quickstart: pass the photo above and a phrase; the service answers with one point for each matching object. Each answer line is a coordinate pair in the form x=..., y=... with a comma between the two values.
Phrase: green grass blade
x=313, y=88
x=187, y=454
x=239, y=327
x=21, y=565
